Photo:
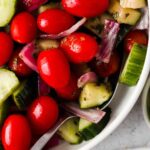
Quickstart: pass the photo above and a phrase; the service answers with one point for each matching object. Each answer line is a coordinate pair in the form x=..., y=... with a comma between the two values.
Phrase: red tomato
x=43, y=114
x=6, y=47
x=54, y=21
x=17, y=65
x=54, y=68
x=136, y=36
x=16, y=133
x=85, y=8
x=70, y=91
x=23, y=28
x=79, y=47
x=105, y=70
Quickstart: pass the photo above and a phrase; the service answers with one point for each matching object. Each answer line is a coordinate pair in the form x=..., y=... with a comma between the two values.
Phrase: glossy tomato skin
x=107, y=69
x=79, y=47
x=54, y=68
x=85, y=8
x=17, y=65
x=54, y=21
x=6, y=47
x=16, y=133
x=135, y=36
x=70, y=91
x=23, y=28
x=43, y=114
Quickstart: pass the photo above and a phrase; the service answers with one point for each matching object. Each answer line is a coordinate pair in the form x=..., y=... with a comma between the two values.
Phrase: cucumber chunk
x=96, y=24
x=7, y=11
x=134, y=65
x=93, y=95
x=69, y=131
x=4, y=107
x=123, y=15
x=8, y=83
x=88, y=130
x=25, y=94
x=135, y=4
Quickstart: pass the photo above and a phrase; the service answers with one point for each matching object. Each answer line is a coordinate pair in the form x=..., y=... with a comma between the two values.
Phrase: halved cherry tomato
x=85, y=8
x=135, y=36
x=79, y=47
x=70, y=91
x=23, y=28
x=54, y=68
x=43, y=114
x=16, y=133
x=6, y=47
x=107, y=69
x=54, y=21
x=17, y=65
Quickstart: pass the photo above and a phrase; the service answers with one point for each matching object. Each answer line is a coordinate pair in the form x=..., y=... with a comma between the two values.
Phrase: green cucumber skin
x=1, y=146
x=94, y=129
x=25, y=93
x=134, y=65
x=4, y=110
x=69, y=131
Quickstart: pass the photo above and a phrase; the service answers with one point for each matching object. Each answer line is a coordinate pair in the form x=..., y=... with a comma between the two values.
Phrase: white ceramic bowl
x=121, y=106
x=146, y=102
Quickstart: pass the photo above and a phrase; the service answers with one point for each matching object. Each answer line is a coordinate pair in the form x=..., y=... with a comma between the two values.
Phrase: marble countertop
x=132, y=133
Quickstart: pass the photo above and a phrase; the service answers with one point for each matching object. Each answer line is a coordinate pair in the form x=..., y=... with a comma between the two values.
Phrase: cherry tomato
x=43, y=114
x=17, y=65
x=16, y=133
x=54, y=21
x=107, y=69
x=85, y=8
x=79, y=47
x=135, y=36
x=6, y=47
x=54, y=68
x=70, y=91
x=23, y=28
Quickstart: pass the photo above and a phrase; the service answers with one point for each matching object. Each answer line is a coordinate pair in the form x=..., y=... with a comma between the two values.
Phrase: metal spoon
x=42, y=141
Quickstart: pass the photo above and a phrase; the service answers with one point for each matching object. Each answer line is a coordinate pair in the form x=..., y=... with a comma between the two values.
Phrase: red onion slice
x=26, y=55
x=43, y=88
x=74, y=28
x=31, y=5
x=144, y=22
x=92, y=115
x=109, y=36
x=86, y=78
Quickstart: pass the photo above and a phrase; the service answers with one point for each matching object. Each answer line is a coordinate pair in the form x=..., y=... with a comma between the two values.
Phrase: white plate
x=121, y=106
x=145, y=100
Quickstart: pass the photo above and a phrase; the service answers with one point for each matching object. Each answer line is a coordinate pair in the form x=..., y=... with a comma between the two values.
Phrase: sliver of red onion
x=67, y=32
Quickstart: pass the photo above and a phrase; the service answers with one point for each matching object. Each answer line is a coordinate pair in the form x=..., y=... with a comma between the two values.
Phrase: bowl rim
x=119, y=119
x=144, y=102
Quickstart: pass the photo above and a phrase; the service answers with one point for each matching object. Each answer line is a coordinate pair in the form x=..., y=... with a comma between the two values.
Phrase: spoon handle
x=42, y=141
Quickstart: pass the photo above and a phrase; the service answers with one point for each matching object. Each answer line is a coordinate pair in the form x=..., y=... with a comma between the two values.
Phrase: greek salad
x=65, y=56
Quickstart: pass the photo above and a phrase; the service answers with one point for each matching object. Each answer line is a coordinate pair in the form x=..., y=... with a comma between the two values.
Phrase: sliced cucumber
x=96, y=24
x=93, y=95
x=4, y=107
x=135, y=4
x=134, y=65
x=48, y=6
x=123, y=15
x=88, y=130
x=1, y=146
x=25, y=94
x=7, y=10
x=69, y=131
x=8, y=83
